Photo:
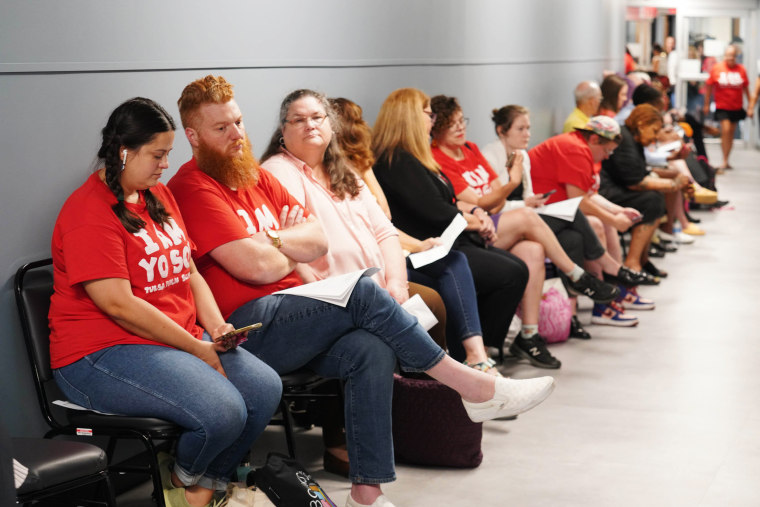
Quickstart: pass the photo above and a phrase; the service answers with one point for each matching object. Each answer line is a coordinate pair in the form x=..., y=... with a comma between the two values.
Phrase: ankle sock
x=528, y=330
x=575, y=274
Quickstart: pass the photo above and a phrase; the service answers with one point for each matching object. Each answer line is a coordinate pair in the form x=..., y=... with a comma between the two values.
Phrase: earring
x=124, y=160
x=282, y=141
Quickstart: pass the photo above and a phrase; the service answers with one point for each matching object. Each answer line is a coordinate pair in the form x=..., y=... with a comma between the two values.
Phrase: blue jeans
x=359, y=344
x=222, y=416
x=452, y=278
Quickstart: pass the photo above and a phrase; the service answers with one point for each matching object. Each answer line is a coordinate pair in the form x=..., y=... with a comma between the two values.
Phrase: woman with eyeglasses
x=521, y=231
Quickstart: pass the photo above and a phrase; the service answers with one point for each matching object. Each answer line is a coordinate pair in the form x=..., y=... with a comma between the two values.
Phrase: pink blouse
x=354, y=227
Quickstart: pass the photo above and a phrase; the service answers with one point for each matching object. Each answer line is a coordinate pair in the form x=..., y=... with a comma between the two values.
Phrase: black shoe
x=717, y=204
x=692, y=219
x=630, y=278
x=599, y=291
x=666, y=247
x=577, y=331
x=652, y=270
x=654, y=252
x=534, y=350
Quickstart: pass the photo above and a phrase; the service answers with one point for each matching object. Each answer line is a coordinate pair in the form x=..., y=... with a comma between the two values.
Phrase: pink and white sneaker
x=630, y=300
x=608, y=315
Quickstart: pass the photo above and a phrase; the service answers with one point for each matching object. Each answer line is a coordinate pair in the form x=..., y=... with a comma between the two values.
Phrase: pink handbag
x=554, y=316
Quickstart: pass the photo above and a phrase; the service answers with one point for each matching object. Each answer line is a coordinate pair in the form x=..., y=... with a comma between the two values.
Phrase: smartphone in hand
x=236, y=337
x=510, y=160
x=547, y=194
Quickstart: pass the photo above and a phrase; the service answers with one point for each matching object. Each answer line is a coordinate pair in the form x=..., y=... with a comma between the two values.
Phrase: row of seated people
x=136, y=326
x=661, y=162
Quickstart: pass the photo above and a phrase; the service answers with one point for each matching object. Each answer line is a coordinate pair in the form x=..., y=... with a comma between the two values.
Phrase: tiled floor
x=666, y=414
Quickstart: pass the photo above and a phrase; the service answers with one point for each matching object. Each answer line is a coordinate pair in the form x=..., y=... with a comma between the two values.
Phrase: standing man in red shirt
x=729, y=80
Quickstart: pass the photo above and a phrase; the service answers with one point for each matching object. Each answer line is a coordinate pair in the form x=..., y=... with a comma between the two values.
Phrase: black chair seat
x=55, y=462
x=159, y=428
x=300, y=379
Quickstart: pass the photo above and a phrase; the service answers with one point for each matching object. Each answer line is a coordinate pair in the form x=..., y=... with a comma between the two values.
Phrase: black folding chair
x=33, y=286
x=62, y=471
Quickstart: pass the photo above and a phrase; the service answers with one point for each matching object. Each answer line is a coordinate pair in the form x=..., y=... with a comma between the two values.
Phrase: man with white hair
x=588, y=96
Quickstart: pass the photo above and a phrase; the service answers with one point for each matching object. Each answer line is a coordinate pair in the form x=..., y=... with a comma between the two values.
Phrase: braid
x=132, y=124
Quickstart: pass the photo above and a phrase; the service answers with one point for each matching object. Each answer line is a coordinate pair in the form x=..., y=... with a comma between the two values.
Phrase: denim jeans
x=452, y=278
x=222, y=416
x=359, y=344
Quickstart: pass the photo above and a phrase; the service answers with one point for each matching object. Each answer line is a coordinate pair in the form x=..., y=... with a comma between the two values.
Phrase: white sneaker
x=381, y=501
x=512, y=397
x=684, y=239
x=666, y=236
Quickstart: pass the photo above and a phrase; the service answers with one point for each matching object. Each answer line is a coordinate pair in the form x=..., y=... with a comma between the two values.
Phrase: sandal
x=486, y=367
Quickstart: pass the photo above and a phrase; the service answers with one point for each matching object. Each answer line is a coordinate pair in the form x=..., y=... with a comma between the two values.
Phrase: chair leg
x=287, y=422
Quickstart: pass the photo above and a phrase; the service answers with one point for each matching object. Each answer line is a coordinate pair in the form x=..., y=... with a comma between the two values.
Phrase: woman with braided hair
x=124, y=337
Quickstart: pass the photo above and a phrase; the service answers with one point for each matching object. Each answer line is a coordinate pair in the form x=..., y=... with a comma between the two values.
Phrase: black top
x=627, y=165
x=422, y=202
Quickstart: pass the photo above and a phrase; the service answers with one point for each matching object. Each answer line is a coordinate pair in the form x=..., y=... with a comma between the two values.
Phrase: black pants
x=500, y=279
x=577, y=238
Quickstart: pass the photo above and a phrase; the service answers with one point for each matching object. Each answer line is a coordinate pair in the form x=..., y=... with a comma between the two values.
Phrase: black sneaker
x=599, y=291
x=577, y=331
x=652, y=270
x=630, y=278
x=534, y=350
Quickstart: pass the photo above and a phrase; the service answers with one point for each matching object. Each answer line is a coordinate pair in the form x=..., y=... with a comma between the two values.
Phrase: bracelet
x=472, y=211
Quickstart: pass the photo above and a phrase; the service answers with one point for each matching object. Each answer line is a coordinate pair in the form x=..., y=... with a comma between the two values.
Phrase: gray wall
x=65, y=65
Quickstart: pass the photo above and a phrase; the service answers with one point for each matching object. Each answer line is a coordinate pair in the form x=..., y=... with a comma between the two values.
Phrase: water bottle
x=676, y=229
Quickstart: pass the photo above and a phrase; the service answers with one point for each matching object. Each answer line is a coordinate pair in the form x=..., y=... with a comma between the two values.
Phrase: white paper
x=448, y=237
x=19, y=473
x=74, y=406
x=672, y=146
x=564, y=210
x=334, y=290
x=417, y=307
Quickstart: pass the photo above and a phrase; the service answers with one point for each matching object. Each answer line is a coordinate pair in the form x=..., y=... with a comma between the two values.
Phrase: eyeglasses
x=302, y=121
x=462, y=122
x=431, y=115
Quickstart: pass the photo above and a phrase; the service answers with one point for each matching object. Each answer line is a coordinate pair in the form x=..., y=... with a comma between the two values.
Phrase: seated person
x=588, y=96
x=251, y=234
x=124, y=337
x=626, y=181
x=614, y=95
x=579, y=240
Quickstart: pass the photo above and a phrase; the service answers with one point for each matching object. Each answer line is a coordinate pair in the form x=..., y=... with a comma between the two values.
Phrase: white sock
x=575, y=274
x=528, y=330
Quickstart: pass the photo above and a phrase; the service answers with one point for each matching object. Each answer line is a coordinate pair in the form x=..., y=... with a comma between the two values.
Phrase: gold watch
x=275, y=238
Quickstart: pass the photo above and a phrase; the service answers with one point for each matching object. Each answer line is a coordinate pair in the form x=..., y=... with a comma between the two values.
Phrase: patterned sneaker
x=534, y=350
x=599, y=291
x=608, y=315
x=630, y=300
x=511, y=397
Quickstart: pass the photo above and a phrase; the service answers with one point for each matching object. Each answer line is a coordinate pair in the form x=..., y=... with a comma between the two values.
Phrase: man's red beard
x=240, y=171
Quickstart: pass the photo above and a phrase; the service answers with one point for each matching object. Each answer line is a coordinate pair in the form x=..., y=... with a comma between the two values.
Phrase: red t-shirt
x=216, y=215
x=728, y=85
x=562, y=160
x=90, y=243
x=473, y=171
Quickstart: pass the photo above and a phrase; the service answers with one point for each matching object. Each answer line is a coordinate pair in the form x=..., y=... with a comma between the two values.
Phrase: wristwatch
x=275, y=238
